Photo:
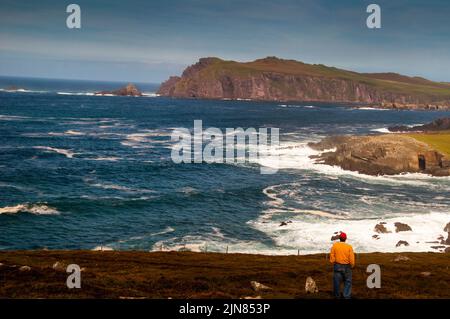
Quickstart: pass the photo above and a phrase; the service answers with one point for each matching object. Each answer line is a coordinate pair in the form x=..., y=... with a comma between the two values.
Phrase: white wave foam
x=76, y=93
x=36, y=209
x=102, y=248
x=314, y=237
x=106, y=159
x=297, y=155
x=297, y=106
x=23, y=91
x=13, y=118
x=364, y=108
x=71, y=132
x=384, y=130
x=112, y=186
x=150, y=94
x=145, y=139
x=66, y=153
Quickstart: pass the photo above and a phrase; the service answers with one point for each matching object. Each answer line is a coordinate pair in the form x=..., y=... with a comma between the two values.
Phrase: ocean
x=79, y=171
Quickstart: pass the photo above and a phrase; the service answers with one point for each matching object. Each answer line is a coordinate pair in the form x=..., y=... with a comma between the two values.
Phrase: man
x=343, y=260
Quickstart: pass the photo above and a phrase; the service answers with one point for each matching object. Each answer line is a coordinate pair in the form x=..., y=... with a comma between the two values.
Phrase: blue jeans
x=342, y=273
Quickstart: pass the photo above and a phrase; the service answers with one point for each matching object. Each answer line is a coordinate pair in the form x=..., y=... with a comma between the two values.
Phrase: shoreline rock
x=385, y=154
x=441, y=124
x=402, y=227
x=129, y=90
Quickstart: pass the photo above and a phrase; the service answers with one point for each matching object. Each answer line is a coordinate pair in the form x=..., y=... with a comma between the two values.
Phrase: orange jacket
x=342, y=253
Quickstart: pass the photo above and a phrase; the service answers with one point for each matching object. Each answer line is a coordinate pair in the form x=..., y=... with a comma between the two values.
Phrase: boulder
x=401, y=258
x=402, y=227
x=425, y=274
x=336, y=235
x=311, y=286
x=59, y=266
x=447, y=241
x=285, y=223
x=402, y=242
x=129, y=90
x=447, y=228
x=258, y=286
x=25, y=268
x=376, y=237
x=381, y=229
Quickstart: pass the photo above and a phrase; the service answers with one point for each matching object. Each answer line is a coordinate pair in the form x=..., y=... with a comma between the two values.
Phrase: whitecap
x=66, y=153
x=35, y=209
x=315, y=236
x=102, y=248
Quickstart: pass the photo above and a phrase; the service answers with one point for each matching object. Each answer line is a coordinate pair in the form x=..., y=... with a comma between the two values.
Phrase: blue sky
x=147, y=41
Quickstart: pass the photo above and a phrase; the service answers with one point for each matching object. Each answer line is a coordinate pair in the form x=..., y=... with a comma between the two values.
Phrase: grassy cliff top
x=387, y=81
x=440, y=141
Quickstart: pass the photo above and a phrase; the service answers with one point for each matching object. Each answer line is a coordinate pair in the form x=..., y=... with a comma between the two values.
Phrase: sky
x=148, y=41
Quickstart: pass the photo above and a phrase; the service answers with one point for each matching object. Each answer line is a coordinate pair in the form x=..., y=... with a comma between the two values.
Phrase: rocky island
x=274, y=79
x=425, y=151
x=129, y=90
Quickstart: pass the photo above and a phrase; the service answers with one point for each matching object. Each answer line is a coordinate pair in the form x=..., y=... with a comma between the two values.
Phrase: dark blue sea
x=79, y=171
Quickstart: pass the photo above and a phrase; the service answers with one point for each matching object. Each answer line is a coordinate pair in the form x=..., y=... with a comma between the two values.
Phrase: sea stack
x=129, y=90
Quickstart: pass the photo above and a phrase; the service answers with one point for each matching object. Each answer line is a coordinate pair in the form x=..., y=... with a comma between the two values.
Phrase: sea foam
x=35, y=209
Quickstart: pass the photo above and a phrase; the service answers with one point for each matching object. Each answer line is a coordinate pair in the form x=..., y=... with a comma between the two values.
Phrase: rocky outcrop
x=402, y=243
x=129, y=90
x=25, y=268
x=401, y=258
x=258, y=286
x=381, y=229
x=311, y=286
x=442, y=124
x=381, y=155
x=402, y=227
x=446, y=229
x=274, y=79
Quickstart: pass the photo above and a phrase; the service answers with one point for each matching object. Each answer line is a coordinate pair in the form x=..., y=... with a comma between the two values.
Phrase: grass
x=440, y=141
x=211, y=275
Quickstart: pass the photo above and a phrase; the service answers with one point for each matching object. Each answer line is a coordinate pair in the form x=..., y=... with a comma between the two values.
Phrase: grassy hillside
x=386, y=81
x=439, y=141
x=210, y=275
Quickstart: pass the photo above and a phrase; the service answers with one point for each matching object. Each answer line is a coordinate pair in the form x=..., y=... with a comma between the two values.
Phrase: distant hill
x=274, y=79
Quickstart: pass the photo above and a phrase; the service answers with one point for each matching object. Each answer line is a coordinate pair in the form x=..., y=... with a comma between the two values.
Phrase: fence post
x=227, y=249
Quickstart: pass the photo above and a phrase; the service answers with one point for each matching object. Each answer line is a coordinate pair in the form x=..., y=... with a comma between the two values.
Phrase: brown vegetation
x=211, y=275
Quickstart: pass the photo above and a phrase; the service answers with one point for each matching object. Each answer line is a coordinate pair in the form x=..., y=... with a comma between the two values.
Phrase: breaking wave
x=66, y=153
x=35, y=209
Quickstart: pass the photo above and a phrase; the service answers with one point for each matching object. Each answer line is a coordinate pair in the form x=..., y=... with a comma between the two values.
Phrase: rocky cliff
x=388, y=154
x=274, y=79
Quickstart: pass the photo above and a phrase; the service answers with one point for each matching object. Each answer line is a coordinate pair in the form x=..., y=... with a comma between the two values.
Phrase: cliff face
x=273, y=79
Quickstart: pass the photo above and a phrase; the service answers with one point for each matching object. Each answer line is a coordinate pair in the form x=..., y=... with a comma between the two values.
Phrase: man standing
x=343, y=260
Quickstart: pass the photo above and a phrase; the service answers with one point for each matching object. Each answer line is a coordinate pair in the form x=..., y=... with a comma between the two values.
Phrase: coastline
x=163, y=275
